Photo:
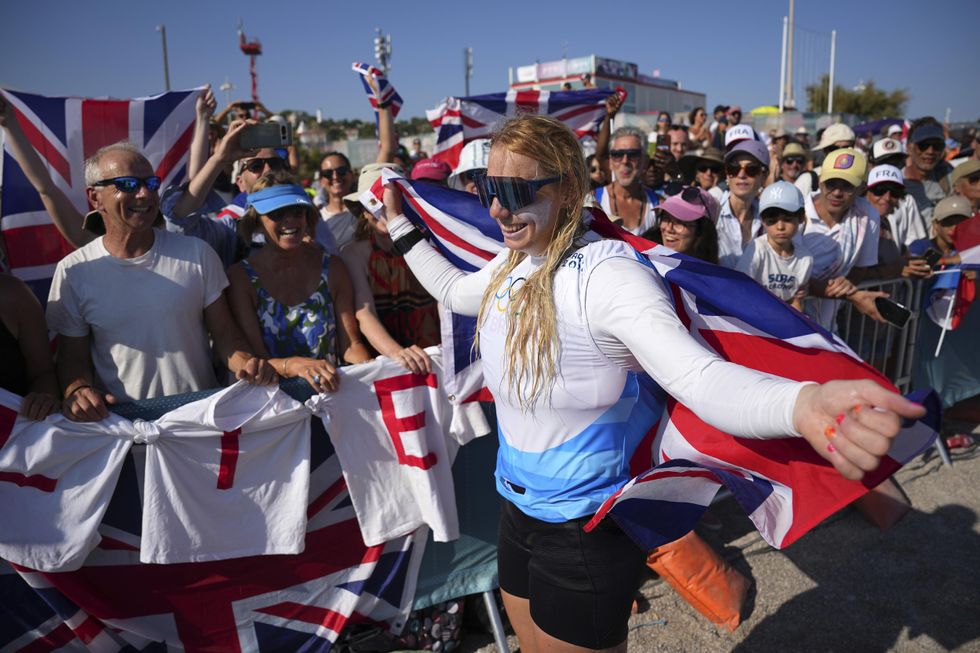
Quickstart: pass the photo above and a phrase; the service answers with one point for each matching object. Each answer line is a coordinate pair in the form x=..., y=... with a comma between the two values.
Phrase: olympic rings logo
x=503, y=296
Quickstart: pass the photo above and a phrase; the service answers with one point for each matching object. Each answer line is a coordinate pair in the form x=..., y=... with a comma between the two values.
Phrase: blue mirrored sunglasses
x=130, y=184
x=513, y=193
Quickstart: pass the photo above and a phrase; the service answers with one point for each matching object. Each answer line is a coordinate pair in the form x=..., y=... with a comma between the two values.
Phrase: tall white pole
x=790, y=103
x=782, y=70
x=833, y=55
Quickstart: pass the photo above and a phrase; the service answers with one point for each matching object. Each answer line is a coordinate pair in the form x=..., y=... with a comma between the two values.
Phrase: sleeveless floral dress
x=306, y=329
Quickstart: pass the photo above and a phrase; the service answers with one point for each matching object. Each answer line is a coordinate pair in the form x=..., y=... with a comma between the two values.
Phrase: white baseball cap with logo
x=885, y=173
x=781, y=195
x=739, y=133
x=887, y=147
x=894, y=129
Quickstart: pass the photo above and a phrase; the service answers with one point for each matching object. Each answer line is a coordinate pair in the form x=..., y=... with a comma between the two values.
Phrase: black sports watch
x=405, y=243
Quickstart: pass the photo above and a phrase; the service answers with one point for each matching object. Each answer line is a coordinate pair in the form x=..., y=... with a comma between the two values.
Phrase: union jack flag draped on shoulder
x=782, y=484
x=458, y=121
x=385, y=90
x=65, y=131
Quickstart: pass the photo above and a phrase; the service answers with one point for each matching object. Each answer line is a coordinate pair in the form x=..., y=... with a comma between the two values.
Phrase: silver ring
x=316, y=379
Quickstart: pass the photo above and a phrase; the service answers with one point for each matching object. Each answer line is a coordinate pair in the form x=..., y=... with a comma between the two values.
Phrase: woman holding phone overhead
x=567, y=321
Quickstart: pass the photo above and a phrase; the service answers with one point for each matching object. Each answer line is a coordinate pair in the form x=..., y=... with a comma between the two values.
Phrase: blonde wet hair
x=532, y=346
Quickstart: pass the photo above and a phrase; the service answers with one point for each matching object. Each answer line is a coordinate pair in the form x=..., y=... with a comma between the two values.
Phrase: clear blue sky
x=729, y=50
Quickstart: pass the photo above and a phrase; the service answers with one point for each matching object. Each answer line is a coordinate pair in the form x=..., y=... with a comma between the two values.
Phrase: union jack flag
x=385, y=91
x=65, y=131
x=784, y=487
x=259, y=603
x=458, y=121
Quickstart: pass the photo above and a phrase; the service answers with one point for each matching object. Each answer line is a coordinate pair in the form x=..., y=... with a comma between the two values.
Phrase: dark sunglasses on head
x=130, y=184
x=687, y=193
x=513, y=193
x=633, y=154
x=709, y=168
x=935, y=146
x=895, y=191
x=255, y=166
x=751, y=169
x=791, y=160
x=328, y=173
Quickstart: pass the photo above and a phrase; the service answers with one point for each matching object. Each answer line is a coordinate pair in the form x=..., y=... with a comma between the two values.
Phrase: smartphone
x=267, y=134
x=932, y=256
x=892, y=311
x=246, y=106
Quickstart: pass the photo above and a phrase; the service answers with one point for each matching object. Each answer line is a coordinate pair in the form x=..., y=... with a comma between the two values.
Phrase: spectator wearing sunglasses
x=792, y=162
x=966, y=182
x=832, y=138
x=886, y=192
x=706, y=171
x=927, y=173
x=773, y=259
x=626, y=199
x=134, y=309
x=842, y=233
x=292, y=300
x=746, y=167
x=687, y=224
x=336, y=180
x=566, y=321
x=189, y=209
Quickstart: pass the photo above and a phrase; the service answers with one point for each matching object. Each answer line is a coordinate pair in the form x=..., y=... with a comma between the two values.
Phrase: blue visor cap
x=273, y=198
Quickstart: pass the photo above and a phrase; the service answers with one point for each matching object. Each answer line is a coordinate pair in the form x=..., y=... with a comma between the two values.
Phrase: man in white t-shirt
x=773, y=259
x=841, y=231
x=134, y=308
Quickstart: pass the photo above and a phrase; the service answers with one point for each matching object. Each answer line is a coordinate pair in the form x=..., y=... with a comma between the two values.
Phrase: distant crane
x=251, y=49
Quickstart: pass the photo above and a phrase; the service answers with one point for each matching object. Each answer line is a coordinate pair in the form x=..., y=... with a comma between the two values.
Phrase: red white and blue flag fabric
x=458, y=121
x=385, y=93
x=784, y=487
x=295, y=602
x=65, y=131
x=949, y=298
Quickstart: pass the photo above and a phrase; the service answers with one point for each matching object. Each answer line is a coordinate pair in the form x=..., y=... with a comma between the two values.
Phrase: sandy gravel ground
x=845, y=586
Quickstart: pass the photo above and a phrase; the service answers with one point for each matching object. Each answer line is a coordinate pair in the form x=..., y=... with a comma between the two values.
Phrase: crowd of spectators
x=240, y=273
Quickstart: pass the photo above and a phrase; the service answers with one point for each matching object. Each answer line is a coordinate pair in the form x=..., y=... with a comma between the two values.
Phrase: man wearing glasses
x=133, y=309
x=927, y=173
x=626, y=199
x=886, y=192
x=792, y=162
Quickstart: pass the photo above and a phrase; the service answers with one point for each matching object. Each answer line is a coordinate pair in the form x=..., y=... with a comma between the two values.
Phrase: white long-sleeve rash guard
x=633, y=323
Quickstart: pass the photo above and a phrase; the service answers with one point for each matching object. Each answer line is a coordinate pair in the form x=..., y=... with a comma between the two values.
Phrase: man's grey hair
x=629, y=130
x=93, y=170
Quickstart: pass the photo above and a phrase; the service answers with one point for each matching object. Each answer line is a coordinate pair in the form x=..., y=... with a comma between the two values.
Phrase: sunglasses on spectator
x=897, y=192
x=512, y=193
x=839, y=184
x=708, y=168
x=256, y=166
x=632, y=154
x=687, y=193
x=328, y=173
x=794, y=160
x=750, y=169
x=973, y=179
x=130, y=184
x=935, y=146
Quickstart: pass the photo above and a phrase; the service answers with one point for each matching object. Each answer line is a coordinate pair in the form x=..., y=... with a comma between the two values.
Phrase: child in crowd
x=773, y=259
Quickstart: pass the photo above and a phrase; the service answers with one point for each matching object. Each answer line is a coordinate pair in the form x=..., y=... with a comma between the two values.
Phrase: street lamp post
x=166, y=69
x=468, y=67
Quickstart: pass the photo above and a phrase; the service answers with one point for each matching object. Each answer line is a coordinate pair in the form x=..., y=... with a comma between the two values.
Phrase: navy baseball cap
x=930, y=132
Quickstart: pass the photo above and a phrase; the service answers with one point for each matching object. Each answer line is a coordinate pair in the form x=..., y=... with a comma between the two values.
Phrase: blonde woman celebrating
x=567, y=324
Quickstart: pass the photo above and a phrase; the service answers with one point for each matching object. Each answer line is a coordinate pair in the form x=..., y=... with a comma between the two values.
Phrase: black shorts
x=580, y=585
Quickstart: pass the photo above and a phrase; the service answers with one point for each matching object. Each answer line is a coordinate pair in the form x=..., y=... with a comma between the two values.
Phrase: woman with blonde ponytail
x=568, y=324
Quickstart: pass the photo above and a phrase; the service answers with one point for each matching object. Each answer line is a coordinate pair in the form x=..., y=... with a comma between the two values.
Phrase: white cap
x=883, y=173
x=836, y=132
x=887, y=147
x=781, y=195
x=802, y=130
x=739, y=133
x=474, y=155
x=894, y=129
